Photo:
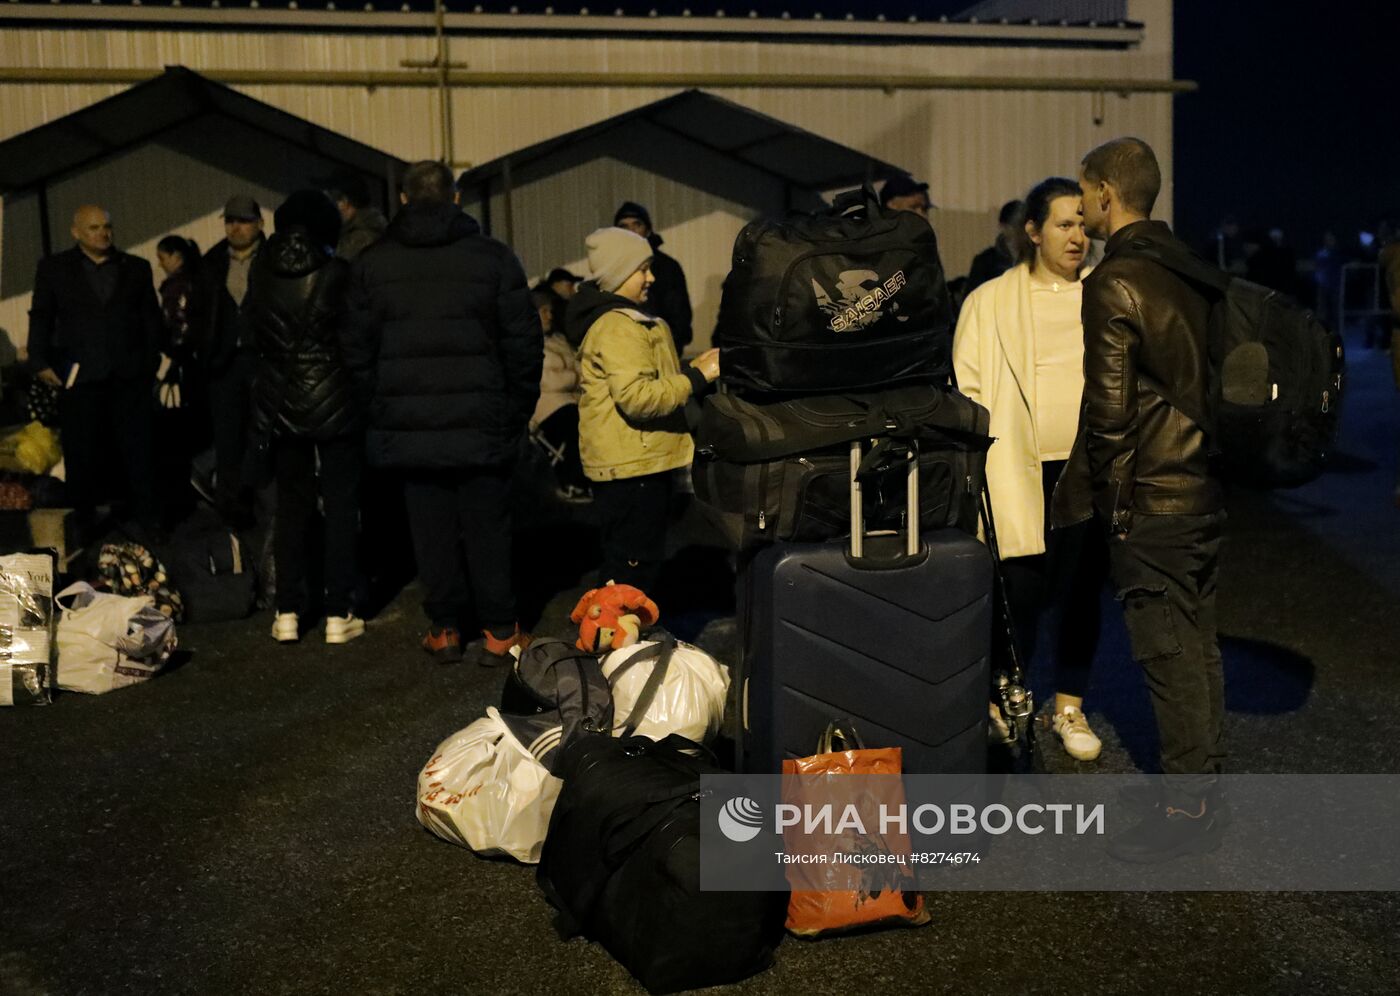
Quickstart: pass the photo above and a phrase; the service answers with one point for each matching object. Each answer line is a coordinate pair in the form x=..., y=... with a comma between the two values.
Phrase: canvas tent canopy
x=703, y=166
x=162, y=157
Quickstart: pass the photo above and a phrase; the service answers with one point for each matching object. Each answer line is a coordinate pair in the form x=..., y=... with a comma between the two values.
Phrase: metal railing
x=1363, y=305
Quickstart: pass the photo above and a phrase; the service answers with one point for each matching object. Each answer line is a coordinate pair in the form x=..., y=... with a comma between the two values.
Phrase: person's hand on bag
x=708, y=364
x=168, y=383
x=47, y=376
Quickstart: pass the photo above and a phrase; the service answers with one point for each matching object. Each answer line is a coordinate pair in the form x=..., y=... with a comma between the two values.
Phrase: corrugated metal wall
x=976, y=148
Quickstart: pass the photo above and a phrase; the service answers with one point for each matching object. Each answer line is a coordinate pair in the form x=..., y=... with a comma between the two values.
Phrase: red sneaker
x=497, y=649
x=445, y=645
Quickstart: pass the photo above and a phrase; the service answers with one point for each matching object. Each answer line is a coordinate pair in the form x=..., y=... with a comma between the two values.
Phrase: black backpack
x=848, y=300
x=781, y=470
x=1276, y=377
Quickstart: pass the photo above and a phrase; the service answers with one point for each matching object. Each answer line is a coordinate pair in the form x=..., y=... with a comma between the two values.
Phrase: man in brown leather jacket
x=1143, y=467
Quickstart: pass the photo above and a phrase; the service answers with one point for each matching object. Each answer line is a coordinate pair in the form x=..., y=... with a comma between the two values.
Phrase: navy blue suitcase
x=893, y=632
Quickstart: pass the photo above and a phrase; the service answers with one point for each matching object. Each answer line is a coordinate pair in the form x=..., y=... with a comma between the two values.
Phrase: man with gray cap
x=226, y=351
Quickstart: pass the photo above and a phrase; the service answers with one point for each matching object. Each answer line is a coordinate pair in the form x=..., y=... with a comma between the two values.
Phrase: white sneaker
x=1073, y=729
x=285, y=628
x=343, y=629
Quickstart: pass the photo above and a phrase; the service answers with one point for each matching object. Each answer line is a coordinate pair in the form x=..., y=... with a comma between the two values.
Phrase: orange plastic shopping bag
x=846, y=871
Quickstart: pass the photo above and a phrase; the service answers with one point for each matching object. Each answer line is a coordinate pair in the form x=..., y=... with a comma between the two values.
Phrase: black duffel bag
x=849, y=300
x=621, y=863
x=781, y=471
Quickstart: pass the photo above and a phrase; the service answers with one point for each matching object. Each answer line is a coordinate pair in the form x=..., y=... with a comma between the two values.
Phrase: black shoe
x=1169, y=833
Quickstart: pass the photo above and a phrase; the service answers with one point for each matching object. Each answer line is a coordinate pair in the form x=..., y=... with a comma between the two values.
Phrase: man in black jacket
x=226, y=350
x=668, y=298
x=442, y=316
x=1143, y=466
x=93, y=328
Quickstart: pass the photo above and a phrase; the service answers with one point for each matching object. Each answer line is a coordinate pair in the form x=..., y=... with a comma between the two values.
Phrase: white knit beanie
x=614, y=254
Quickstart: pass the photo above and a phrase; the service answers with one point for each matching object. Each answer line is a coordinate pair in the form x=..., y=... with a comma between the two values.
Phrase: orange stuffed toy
x=612, y=617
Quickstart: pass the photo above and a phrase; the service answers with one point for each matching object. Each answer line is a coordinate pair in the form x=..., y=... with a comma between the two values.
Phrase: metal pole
x=506, y=188
x=431, y=74
x=444, y=89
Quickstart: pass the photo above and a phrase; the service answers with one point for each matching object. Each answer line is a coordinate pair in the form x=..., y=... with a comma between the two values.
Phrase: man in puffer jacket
x=443, y=317
x=632, y=430
x=306, y=406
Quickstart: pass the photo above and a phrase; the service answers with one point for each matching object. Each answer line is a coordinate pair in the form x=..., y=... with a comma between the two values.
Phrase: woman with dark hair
x=308, y=413
x=1019, y=350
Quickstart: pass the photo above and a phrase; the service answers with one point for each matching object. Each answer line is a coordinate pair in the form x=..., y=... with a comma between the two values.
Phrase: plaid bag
x=130, y=569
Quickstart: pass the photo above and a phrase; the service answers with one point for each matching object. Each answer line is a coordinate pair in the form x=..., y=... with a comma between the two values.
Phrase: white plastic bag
x=689, y=701
x=109, y=641
x=482, y=789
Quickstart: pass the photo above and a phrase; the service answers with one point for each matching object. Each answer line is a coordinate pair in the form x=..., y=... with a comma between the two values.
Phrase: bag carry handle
x=839, y=736
x=911, y=494
x=999, y=582
x=861, y=198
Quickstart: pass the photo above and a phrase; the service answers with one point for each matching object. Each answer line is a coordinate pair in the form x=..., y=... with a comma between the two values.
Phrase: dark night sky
x=1297, y=123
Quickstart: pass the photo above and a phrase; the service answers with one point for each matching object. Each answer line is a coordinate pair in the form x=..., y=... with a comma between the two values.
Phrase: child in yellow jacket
x=632, y=430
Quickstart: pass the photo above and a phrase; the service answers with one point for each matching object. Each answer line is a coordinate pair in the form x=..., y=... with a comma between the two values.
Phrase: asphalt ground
x=244, y=823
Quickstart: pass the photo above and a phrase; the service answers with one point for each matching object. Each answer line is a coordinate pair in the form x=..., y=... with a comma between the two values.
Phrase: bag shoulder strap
x=1183, y=262
x=1002, y=608
x=661, y=652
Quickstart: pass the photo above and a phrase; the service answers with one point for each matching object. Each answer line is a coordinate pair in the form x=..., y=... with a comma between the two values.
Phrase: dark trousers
x=560, y=430
x=454, y=513
x=102, y=422
x=1066, y=580
x=632, y=514
x=230, y=411
x=299, y=481
x=1164, y=573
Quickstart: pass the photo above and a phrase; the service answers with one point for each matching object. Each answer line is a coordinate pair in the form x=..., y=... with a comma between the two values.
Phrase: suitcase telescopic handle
x=911, y=496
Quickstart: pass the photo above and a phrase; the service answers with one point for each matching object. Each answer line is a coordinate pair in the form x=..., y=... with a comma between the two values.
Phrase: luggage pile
x=590, y=768
x=80, y=640
x=849, y=476
x=491, y=787
x=848, y=473
x=116, y=628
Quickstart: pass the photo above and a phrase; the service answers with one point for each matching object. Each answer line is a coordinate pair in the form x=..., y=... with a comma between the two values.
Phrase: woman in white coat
x=1019, y=350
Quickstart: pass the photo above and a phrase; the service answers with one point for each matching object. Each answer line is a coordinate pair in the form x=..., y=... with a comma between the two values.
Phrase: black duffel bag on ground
x=849, y=300
x=621, y=863
x=781, y=471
